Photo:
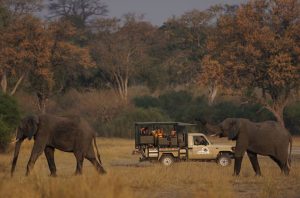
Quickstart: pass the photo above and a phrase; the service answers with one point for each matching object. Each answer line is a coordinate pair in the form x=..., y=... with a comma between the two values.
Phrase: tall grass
x=127, y=178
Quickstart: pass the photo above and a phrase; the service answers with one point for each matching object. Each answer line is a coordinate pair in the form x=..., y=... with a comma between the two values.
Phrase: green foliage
x=182, y=106
x=9, y=119
x=123, y=124
x=5, y=135
x=146, y=102
x=4, y=17
x=175, y=103
x=292, y=118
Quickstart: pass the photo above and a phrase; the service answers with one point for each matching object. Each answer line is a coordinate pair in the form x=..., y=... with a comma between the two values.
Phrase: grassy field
x=126, y=178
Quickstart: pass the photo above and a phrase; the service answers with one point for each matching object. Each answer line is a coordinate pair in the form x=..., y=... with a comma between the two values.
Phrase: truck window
x=200, y=140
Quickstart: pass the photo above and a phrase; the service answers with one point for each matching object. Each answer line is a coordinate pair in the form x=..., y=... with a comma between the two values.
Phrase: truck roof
x=197, y=134
x=165, y=123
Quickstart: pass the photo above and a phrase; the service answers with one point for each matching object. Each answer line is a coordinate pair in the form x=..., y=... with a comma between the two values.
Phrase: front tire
x=167, y=160
x=224, y=160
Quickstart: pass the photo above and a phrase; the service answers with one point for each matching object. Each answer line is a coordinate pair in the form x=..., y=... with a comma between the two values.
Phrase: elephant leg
x=37, y=150
x=283, y=166
x=254, y=162
x=285, y=169
x=91, y=157
x=49, y=153
x=79, y=160
x=237, y=165
x=241, y=147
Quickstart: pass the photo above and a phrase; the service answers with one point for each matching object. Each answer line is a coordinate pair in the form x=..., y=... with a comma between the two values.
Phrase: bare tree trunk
x=17, y=85
x=42, y=101
x=122, y=87
x=278, y=113
x=213, y=90
x=4, y=82
x=277, y=110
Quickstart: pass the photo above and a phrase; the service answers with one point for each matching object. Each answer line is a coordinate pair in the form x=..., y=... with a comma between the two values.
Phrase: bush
x=172, y=103
x=182, y=106
x=146, y=102
x=9, y=119
x=123, y=124
x=292, y=118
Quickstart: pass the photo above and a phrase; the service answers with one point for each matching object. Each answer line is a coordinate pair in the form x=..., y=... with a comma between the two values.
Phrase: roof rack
x=165, y=123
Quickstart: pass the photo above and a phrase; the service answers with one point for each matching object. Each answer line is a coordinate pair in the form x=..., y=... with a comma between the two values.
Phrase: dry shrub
x=95, y=104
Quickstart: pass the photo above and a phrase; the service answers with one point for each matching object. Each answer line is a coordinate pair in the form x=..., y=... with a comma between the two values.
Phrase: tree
x=23, y=49
x=185, y=39
x=66, y=61
x=9, y=119
x=256, y=51
x=121, y=49
x=77, y=11
x=21, y=7
x=43, y=55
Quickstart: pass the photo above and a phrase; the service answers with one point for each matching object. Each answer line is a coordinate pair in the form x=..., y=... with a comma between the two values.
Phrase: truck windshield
x=199, y=140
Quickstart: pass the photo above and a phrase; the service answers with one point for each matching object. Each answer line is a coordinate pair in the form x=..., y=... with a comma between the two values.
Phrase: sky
x=158, y=11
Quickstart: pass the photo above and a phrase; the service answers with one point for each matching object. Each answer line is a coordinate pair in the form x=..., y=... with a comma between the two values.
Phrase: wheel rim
x=223, y=161
x=167, y=161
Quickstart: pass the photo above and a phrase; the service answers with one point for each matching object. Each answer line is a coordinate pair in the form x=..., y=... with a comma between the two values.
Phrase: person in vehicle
x=173, y=133
x=144, y=131
x=199, y=140
x=158, y=133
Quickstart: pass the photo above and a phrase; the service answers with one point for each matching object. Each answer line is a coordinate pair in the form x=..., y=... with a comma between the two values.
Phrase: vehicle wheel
x=224, y=160
x=167, y=160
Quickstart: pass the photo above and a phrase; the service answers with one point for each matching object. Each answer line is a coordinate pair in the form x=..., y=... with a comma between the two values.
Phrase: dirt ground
x=127, y=177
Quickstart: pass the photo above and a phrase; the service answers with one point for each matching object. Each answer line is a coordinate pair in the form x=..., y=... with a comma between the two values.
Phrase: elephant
x=50, y=132
x=266, y=138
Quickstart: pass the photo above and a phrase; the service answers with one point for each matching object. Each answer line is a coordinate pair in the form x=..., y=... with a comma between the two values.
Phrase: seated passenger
x=160, y=133
x=199, y=140
x=173, y=133
x=144, y=131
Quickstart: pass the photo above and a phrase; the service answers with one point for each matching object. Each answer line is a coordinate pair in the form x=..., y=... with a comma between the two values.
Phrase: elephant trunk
x=16, y=154
x=213, y=130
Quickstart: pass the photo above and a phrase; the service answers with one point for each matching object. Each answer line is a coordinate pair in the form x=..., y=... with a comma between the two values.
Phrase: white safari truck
x=170, y=142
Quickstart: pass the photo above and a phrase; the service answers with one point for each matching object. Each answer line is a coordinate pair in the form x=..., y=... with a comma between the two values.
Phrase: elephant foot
x=103, y=172
x=258, y=175
x=235, y=175
x=53, y=175
x=77, y=173
x=286, y=173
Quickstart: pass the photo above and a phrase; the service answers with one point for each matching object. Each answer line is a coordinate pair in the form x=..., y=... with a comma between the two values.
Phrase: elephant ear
x=234, y=129
x=32, y=126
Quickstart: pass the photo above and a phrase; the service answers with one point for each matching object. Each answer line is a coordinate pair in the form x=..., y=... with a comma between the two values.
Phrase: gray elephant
x=68, y=134
x=256, y=138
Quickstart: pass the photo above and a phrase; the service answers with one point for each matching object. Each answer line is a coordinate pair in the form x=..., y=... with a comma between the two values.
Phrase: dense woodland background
x=227, y=61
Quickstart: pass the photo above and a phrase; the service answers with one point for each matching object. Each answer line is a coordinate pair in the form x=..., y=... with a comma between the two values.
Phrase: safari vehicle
x=169, y=142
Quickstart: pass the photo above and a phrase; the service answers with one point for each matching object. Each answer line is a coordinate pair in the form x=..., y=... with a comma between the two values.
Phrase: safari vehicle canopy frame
x=150, y=139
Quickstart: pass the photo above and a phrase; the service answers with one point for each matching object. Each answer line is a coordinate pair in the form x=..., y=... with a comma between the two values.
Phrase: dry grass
x=125, y=179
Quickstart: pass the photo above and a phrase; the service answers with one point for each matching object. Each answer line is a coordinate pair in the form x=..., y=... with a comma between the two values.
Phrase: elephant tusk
x=216, y=134
x=13, y=142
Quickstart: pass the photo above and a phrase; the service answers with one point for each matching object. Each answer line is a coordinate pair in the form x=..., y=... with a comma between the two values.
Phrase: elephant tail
x=290, y=153
x=98, y=155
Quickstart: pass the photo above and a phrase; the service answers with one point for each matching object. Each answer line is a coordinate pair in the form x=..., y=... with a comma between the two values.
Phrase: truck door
x=198, y=147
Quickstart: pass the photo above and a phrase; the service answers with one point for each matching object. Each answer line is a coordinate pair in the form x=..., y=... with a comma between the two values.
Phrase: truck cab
x=200, y=148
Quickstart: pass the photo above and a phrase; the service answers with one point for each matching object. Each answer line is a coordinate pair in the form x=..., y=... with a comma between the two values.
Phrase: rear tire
x=224, y=160
x=167, y=160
